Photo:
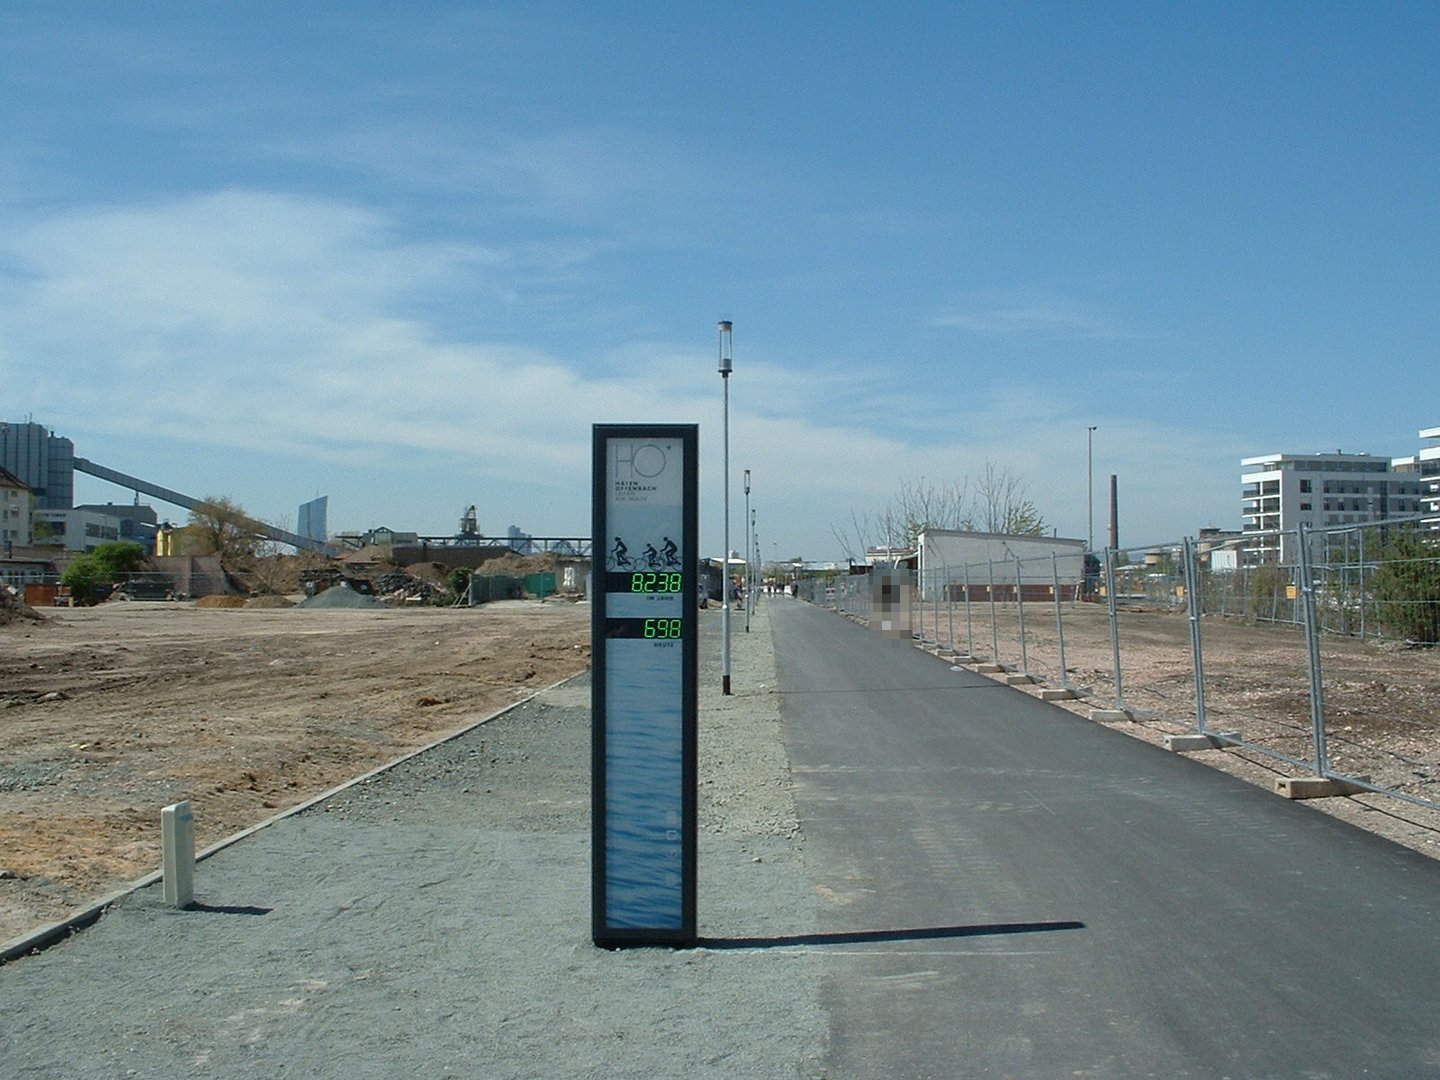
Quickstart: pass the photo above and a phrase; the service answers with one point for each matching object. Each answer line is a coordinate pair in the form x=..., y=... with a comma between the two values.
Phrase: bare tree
x=1001, y=505
x=995, y=501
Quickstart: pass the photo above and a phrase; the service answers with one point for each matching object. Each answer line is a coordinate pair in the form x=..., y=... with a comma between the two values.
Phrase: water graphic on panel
x=643, y=752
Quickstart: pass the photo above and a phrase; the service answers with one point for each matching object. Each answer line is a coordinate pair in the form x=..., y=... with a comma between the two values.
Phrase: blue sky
x=406, y=256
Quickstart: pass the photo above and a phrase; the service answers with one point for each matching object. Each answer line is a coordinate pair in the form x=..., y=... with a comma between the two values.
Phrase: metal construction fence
x=1322, y=659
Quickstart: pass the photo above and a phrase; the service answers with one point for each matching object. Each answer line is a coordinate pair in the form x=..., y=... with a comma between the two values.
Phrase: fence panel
x=1323, y=663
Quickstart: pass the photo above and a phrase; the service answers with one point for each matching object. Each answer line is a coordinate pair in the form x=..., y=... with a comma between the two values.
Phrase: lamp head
x=725, y=361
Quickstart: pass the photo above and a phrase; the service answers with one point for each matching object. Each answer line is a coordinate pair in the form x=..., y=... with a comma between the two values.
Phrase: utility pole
x=726, y=364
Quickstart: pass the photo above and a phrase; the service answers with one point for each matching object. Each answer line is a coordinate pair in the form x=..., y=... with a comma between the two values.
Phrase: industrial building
x=42, y=460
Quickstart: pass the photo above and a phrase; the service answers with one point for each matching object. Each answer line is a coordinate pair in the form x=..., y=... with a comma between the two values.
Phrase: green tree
x=83, y=577
x=119, y=559
x=1406, y=586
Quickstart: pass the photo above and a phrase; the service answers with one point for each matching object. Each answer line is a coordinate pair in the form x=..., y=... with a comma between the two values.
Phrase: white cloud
x=284, y=326
x=1024, y=314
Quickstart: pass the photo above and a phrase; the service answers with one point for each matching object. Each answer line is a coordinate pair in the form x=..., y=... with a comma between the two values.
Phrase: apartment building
x=1280, y=492
x=14, y=512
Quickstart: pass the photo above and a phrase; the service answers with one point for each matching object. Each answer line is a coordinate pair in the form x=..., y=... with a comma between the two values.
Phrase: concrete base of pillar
x=1018, y=680
x=990, y=669
x=1058, y=693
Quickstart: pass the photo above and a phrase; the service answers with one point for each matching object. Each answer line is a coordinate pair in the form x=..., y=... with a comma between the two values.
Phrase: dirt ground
x=107, y=714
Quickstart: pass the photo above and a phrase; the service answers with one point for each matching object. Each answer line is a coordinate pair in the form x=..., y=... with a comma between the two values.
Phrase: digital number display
x=655, y=583
x=649, y=629
x=645, y=582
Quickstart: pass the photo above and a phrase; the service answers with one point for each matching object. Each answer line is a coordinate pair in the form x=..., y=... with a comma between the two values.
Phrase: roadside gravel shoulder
x=435, y=918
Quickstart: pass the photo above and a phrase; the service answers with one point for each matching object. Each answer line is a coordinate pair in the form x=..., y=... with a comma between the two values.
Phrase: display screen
x=645, y=582
x=647, y=629
x=655, y=583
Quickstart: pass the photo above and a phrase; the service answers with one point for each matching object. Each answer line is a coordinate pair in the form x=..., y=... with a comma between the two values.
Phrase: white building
x=952, y=559
x=1428, y=463
x=79, y=530
x=1280, y=492
x=14, y=512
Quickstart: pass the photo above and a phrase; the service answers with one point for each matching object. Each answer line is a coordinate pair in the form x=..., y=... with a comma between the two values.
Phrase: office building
x=1427, y=464
x=1280, y=492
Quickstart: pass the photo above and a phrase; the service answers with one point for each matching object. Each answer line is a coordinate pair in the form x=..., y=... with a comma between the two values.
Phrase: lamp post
x=725, y=367
x=1090, y=481
x=747, y=553
x=752, y=570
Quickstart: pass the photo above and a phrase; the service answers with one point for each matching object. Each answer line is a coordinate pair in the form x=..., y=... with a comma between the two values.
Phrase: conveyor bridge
x=175, y=498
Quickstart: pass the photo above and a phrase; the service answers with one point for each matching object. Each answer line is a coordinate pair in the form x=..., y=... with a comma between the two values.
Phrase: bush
x=458, y=581
x=119, y=559
x=1407, y=588
x=83, y=577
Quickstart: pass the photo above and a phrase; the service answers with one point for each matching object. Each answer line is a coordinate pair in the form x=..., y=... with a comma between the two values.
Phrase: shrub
x=1407, y=588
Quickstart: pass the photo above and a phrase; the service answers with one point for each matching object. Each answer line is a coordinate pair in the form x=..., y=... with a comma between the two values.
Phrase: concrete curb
x=43, y=938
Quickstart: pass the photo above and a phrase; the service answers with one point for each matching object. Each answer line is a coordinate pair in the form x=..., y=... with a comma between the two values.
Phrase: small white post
x=177, y=842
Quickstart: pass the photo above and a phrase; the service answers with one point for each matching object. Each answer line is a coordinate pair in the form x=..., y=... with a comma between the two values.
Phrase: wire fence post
x=1110, y=554
x=1020, y=610
x=994, y=628
x=1362, y=583
x=1193, y=605
x=969, y=614
x=1312, y=642
x=1059, y=619
x=920, y=594
x=949, y=610
x=936, y=625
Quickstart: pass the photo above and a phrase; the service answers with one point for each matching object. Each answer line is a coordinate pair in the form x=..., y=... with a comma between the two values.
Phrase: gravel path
x=435, y=919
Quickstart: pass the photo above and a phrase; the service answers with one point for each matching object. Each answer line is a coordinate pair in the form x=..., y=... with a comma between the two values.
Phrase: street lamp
x=725, y=367
x=1090, y=481
x=747, y=553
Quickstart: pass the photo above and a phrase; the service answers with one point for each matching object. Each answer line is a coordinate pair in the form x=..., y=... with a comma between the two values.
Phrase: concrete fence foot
x=1111, y=715
x=1316, y=787
x=1184, y=744
x=1058, y=693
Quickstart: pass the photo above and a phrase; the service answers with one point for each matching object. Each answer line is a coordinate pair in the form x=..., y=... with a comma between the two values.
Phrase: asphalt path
x=1012, y=891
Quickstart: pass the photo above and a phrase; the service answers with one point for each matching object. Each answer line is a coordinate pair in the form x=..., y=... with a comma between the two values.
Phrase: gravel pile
x=339, y=596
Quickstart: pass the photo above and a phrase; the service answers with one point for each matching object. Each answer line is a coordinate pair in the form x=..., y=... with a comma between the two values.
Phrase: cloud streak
x=1032, y=315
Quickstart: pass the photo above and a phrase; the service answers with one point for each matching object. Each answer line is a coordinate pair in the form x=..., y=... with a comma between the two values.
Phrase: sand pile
x=220, y=601
x=270, y=600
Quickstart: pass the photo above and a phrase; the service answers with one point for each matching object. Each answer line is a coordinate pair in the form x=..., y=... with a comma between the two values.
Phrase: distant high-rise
x=44, y=461
x=312, y=519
